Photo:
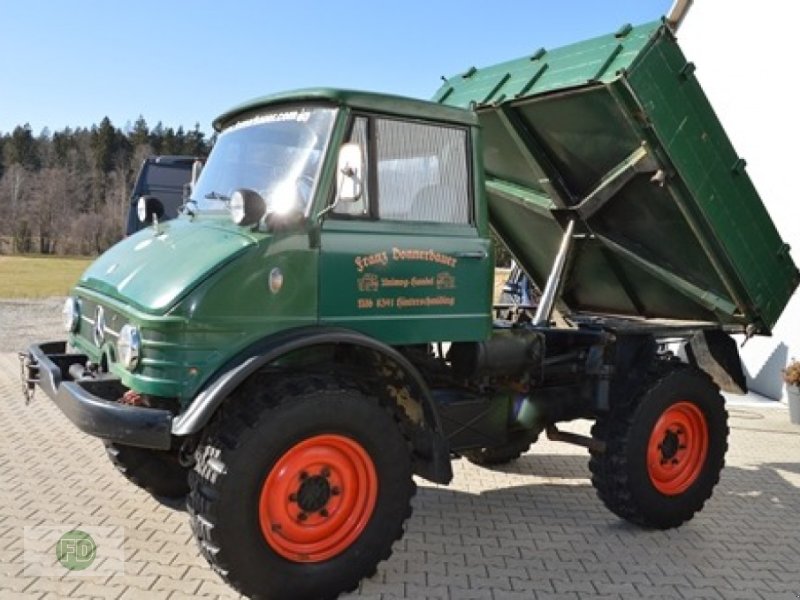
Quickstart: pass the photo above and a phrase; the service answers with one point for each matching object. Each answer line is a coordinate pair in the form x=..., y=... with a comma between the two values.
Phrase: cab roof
x=368, y=101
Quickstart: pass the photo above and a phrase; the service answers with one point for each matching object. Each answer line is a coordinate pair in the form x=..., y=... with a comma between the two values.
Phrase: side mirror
x=197, y=168
x=188, y=187
x=149, y=208
x=350, y=172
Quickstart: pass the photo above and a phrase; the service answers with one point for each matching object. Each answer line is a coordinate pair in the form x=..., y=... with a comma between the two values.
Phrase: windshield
x=277, y=154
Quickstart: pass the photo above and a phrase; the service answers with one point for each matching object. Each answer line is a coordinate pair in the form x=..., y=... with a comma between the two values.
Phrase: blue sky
x=72, y=63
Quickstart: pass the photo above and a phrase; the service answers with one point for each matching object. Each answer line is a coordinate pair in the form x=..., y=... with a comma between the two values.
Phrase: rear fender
x=716, y=353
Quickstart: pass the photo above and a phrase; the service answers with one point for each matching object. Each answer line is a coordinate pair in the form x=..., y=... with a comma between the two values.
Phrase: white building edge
x=747, y=62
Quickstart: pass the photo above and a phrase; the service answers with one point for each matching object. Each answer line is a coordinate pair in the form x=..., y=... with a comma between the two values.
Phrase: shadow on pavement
x=748, y=530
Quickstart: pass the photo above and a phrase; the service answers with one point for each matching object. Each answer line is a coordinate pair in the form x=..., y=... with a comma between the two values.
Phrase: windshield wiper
x=217, y=196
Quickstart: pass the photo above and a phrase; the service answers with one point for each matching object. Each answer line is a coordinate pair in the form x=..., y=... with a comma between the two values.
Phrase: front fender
x=431, y=449
x=267, y=351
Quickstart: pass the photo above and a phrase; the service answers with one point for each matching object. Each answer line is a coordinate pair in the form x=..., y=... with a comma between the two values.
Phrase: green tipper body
x=617, y=133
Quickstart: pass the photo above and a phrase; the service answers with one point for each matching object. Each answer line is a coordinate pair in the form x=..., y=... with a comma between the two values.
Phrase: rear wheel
x=159, y=472
x=664, y=451
x=300, y=490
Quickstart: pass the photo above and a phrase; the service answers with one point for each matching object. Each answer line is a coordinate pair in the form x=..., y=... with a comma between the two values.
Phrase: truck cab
x=414, y=243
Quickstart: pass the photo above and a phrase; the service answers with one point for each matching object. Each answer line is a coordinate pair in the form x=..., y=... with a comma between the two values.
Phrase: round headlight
x=129, y=346
x=237, y=207
x=141, y=210
x=246, y=206
x=71, y=314
x=149, y=209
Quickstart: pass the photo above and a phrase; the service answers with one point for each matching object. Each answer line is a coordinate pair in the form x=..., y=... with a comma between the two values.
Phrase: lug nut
x=326, y=472
x=292, y=497
x=303, y=475
x=323, y=512
x=302, y=516
x=335, y=491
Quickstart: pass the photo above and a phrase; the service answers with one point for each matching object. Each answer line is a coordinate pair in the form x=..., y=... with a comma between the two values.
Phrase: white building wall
x=748, y=61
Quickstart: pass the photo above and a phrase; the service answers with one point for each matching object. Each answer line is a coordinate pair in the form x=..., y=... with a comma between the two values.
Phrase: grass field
x=500, y=276
x=44, y=276
x=39, y=276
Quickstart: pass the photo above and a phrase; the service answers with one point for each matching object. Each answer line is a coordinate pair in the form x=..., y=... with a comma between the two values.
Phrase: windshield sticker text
x=299, y=116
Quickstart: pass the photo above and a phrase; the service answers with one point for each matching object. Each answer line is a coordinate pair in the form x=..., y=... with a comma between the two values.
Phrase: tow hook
x=29, y=376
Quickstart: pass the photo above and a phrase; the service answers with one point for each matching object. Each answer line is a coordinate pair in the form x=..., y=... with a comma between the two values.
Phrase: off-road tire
x=518, y=444
x=237, y=457
x=633, y=477
x=156, y=471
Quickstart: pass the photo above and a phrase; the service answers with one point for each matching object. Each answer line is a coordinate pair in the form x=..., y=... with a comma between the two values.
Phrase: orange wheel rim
x=677, y=449
x=318, y=498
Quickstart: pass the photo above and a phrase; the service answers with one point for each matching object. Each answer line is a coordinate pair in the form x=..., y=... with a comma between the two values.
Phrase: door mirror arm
x=349, y=178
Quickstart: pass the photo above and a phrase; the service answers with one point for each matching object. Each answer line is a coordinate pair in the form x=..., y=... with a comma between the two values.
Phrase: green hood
x=152, y=271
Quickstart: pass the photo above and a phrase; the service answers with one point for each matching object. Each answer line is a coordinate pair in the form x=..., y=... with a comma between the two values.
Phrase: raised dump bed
x=617, y=134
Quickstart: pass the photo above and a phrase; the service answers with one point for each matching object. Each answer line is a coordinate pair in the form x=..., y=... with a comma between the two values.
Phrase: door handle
x=476, y=254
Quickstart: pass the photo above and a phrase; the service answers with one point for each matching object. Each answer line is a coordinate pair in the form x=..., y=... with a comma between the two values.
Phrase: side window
x=358, y=135
x=422, y=172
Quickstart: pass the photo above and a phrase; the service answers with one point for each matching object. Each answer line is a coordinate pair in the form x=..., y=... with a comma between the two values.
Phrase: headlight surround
x=129, y=346
x=71, y=314
x=246, y=207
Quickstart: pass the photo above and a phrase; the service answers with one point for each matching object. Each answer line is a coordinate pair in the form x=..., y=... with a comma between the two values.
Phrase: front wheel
x=159, y=472
x=664, y=450
x=300, y=490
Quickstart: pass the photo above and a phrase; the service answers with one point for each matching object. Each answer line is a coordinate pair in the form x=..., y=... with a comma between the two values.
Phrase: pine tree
x=104, y=145
x=195, y=144
x=157, y=138
x=21, y=149
x=63, y=143
x=169, y=145
x=140, y=134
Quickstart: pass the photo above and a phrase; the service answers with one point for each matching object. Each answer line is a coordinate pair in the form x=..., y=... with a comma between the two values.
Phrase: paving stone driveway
x=536, y=530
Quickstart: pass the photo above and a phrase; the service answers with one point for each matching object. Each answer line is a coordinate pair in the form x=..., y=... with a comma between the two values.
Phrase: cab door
x=405, y=263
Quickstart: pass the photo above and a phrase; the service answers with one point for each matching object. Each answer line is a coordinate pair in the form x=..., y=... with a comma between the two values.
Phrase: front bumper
x=91, y=402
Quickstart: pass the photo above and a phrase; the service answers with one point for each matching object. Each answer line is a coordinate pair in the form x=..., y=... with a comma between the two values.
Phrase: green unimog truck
x=317, y=327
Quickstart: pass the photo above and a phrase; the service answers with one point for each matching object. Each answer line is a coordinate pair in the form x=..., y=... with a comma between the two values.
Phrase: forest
x=68, y=192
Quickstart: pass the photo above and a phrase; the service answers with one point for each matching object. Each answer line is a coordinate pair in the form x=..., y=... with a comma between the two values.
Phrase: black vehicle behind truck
x=165, y=178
